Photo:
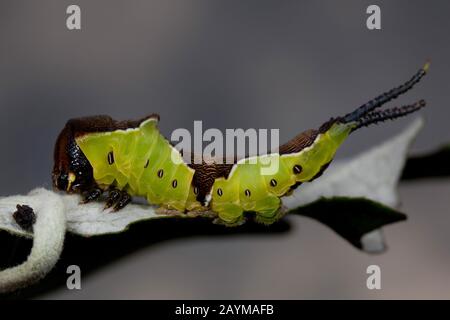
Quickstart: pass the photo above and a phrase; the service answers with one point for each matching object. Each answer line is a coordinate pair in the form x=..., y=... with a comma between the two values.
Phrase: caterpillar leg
x=268, y=219
x=168, y=212
x=204, y=212
x=238, y=222
x=125, y=199
x=117, y=199
x=91, y=194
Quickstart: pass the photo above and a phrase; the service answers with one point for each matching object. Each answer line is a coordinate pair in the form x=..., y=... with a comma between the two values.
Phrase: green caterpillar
x=131, y=158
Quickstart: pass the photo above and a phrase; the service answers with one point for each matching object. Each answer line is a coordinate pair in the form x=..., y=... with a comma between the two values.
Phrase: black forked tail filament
x=365, y=109
x=388, y=114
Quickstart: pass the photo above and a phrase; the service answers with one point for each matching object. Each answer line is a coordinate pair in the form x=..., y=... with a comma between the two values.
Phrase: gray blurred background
x=249, y=64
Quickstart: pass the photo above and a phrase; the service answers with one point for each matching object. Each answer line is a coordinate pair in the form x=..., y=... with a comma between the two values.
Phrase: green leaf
x=351, y=218
x=434, y=164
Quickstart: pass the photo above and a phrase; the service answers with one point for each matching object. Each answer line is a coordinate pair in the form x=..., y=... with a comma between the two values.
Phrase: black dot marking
x=160, y=173
x=146, y=164
x=219, y=192
x=297, y=169
x=174, y=183
x=110, y=158
x=25, y=217
x=273, y=183
x=195, y=190
x=247, y=193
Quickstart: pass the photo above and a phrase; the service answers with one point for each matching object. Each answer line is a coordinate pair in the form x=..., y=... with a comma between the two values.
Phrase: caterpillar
x=97, y=154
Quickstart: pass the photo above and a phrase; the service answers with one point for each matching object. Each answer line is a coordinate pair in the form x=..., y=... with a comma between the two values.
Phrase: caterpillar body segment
x=247, y=188
x=131, y=158
x=139, y=161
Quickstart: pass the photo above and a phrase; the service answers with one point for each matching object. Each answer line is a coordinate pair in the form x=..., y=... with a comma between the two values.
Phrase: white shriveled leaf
x=49, y=232
x=91, y=219
x=82, y=219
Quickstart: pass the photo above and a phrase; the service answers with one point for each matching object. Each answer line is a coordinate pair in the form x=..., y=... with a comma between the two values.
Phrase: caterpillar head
x=367, y=114
x=72, y=171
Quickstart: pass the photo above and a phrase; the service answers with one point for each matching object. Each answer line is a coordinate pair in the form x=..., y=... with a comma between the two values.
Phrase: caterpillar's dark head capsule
x=72, y=171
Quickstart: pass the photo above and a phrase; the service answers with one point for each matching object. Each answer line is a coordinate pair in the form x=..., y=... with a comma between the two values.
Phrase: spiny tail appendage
x=366, y=114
